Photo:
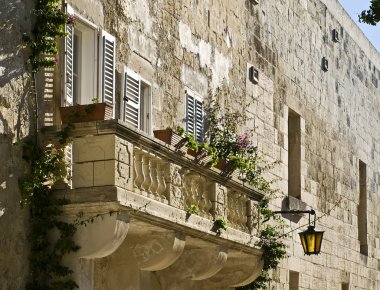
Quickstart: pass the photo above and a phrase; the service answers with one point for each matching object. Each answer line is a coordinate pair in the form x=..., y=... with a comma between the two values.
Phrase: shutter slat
x=194, y=117
x=199, y=121
x=190, y=114
x=69, y=60
x=132, y=99
x=108, y=68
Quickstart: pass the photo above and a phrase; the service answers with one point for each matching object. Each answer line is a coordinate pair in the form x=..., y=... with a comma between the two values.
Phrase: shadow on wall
x=14, y=23
x=16, y=110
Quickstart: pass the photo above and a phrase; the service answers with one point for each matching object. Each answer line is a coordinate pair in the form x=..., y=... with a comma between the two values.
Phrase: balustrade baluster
x=139, y=176
x=161, y=187
x=146, y=172
x=153, y=174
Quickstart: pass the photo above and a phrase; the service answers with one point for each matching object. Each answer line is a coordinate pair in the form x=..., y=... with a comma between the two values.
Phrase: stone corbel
x=158, y=251
x=98, y=241
x=240, y=270
x=195, y=264
x=208, y=263
x=103, y=237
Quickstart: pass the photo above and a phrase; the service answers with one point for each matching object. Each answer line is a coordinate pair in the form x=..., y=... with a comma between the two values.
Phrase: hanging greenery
x=224, y=140
x=272, y=243
x=50, y=21
x=45, y=262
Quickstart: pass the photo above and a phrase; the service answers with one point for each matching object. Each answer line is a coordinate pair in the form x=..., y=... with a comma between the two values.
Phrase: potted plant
x=178, y=139
x=167, y=135
x=86, y=113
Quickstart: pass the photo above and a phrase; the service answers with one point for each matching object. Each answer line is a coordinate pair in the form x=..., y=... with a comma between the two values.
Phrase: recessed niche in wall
x=335, y=35
x=253, y=75
x=325, y=64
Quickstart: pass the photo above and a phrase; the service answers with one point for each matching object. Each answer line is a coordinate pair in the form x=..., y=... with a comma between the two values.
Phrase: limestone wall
x=15, y=125
x=204, y=45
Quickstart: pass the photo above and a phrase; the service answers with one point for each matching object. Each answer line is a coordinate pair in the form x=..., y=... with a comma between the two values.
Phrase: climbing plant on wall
x=46, y=270
x=50, y=21
x=225, y=139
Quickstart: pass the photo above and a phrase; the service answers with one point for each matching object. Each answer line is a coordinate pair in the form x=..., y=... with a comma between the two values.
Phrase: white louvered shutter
x=194, y=117
x=198, y=120
x=132, y=98
x=108, y=46
x=190, y=121
x=69, y=62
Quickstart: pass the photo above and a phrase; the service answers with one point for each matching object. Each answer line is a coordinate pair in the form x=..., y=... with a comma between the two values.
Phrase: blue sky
x=354, y=7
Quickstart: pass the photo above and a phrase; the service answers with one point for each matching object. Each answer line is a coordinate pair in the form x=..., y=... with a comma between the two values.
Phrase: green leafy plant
x=45, y=260
x=193, y=209
x=272, y=243
x=50, y=25
x=191, y=143
x=372, y=15
x=95, y=100
x=224, y=140
x=220, y=225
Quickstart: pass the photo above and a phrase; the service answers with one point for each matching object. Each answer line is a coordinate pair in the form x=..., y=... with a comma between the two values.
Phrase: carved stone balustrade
x=151, y=185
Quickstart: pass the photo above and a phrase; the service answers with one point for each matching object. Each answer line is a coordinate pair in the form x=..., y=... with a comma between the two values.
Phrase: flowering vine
x=272, y=243
x=225, y=141
x=50, y=24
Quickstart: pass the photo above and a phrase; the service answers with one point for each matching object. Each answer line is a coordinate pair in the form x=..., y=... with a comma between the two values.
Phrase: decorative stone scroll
x=237, y=210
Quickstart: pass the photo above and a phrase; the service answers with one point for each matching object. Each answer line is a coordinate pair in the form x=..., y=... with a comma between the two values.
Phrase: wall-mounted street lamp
x=311, y=239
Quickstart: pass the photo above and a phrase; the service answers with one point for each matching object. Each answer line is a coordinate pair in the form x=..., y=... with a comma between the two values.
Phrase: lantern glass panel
x=311, y=241
x=318, y=241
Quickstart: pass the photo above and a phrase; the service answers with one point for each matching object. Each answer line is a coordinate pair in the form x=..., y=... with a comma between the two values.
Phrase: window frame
x=145, y=101
x=91, y=66
x=197, y=98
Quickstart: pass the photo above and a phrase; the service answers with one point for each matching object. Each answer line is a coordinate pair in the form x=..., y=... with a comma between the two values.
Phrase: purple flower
x=266, y=241
x=71, y=20
x=56, y=59
x=243, y=141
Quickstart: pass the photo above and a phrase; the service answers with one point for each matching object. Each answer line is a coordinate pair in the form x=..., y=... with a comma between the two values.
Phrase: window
x=89, y=63
x=294, y=278
x=294, y=155
x=136, y=109
x=362, y=208
x=194, y=115
x=345, y=286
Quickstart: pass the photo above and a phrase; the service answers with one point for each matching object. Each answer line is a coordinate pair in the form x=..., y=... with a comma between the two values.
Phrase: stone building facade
x=314, y=107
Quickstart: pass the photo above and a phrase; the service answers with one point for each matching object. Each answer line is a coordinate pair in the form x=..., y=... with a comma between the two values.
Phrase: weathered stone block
x=104, y=173
x=83, y=174
x=93, y=148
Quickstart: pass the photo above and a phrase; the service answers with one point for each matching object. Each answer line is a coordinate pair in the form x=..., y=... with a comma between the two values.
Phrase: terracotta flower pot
x=169, y=137
x=222, y=163
x=225, y=165
x=85, y=113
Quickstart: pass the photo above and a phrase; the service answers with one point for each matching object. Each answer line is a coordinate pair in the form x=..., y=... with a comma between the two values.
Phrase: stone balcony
x=152, y=242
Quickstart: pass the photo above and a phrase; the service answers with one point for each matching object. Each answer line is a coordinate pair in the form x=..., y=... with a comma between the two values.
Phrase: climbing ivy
x=45, y=261
x=271, y=241
x=50, y=21
x=226, y=141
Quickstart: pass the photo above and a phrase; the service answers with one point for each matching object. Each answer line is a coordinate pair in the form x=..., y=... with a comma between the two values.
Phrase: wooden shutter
x=190, y=121
x=198, y=121
x=131, y=98
x=194, y=117
x=108, y=68
x=69, y=61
